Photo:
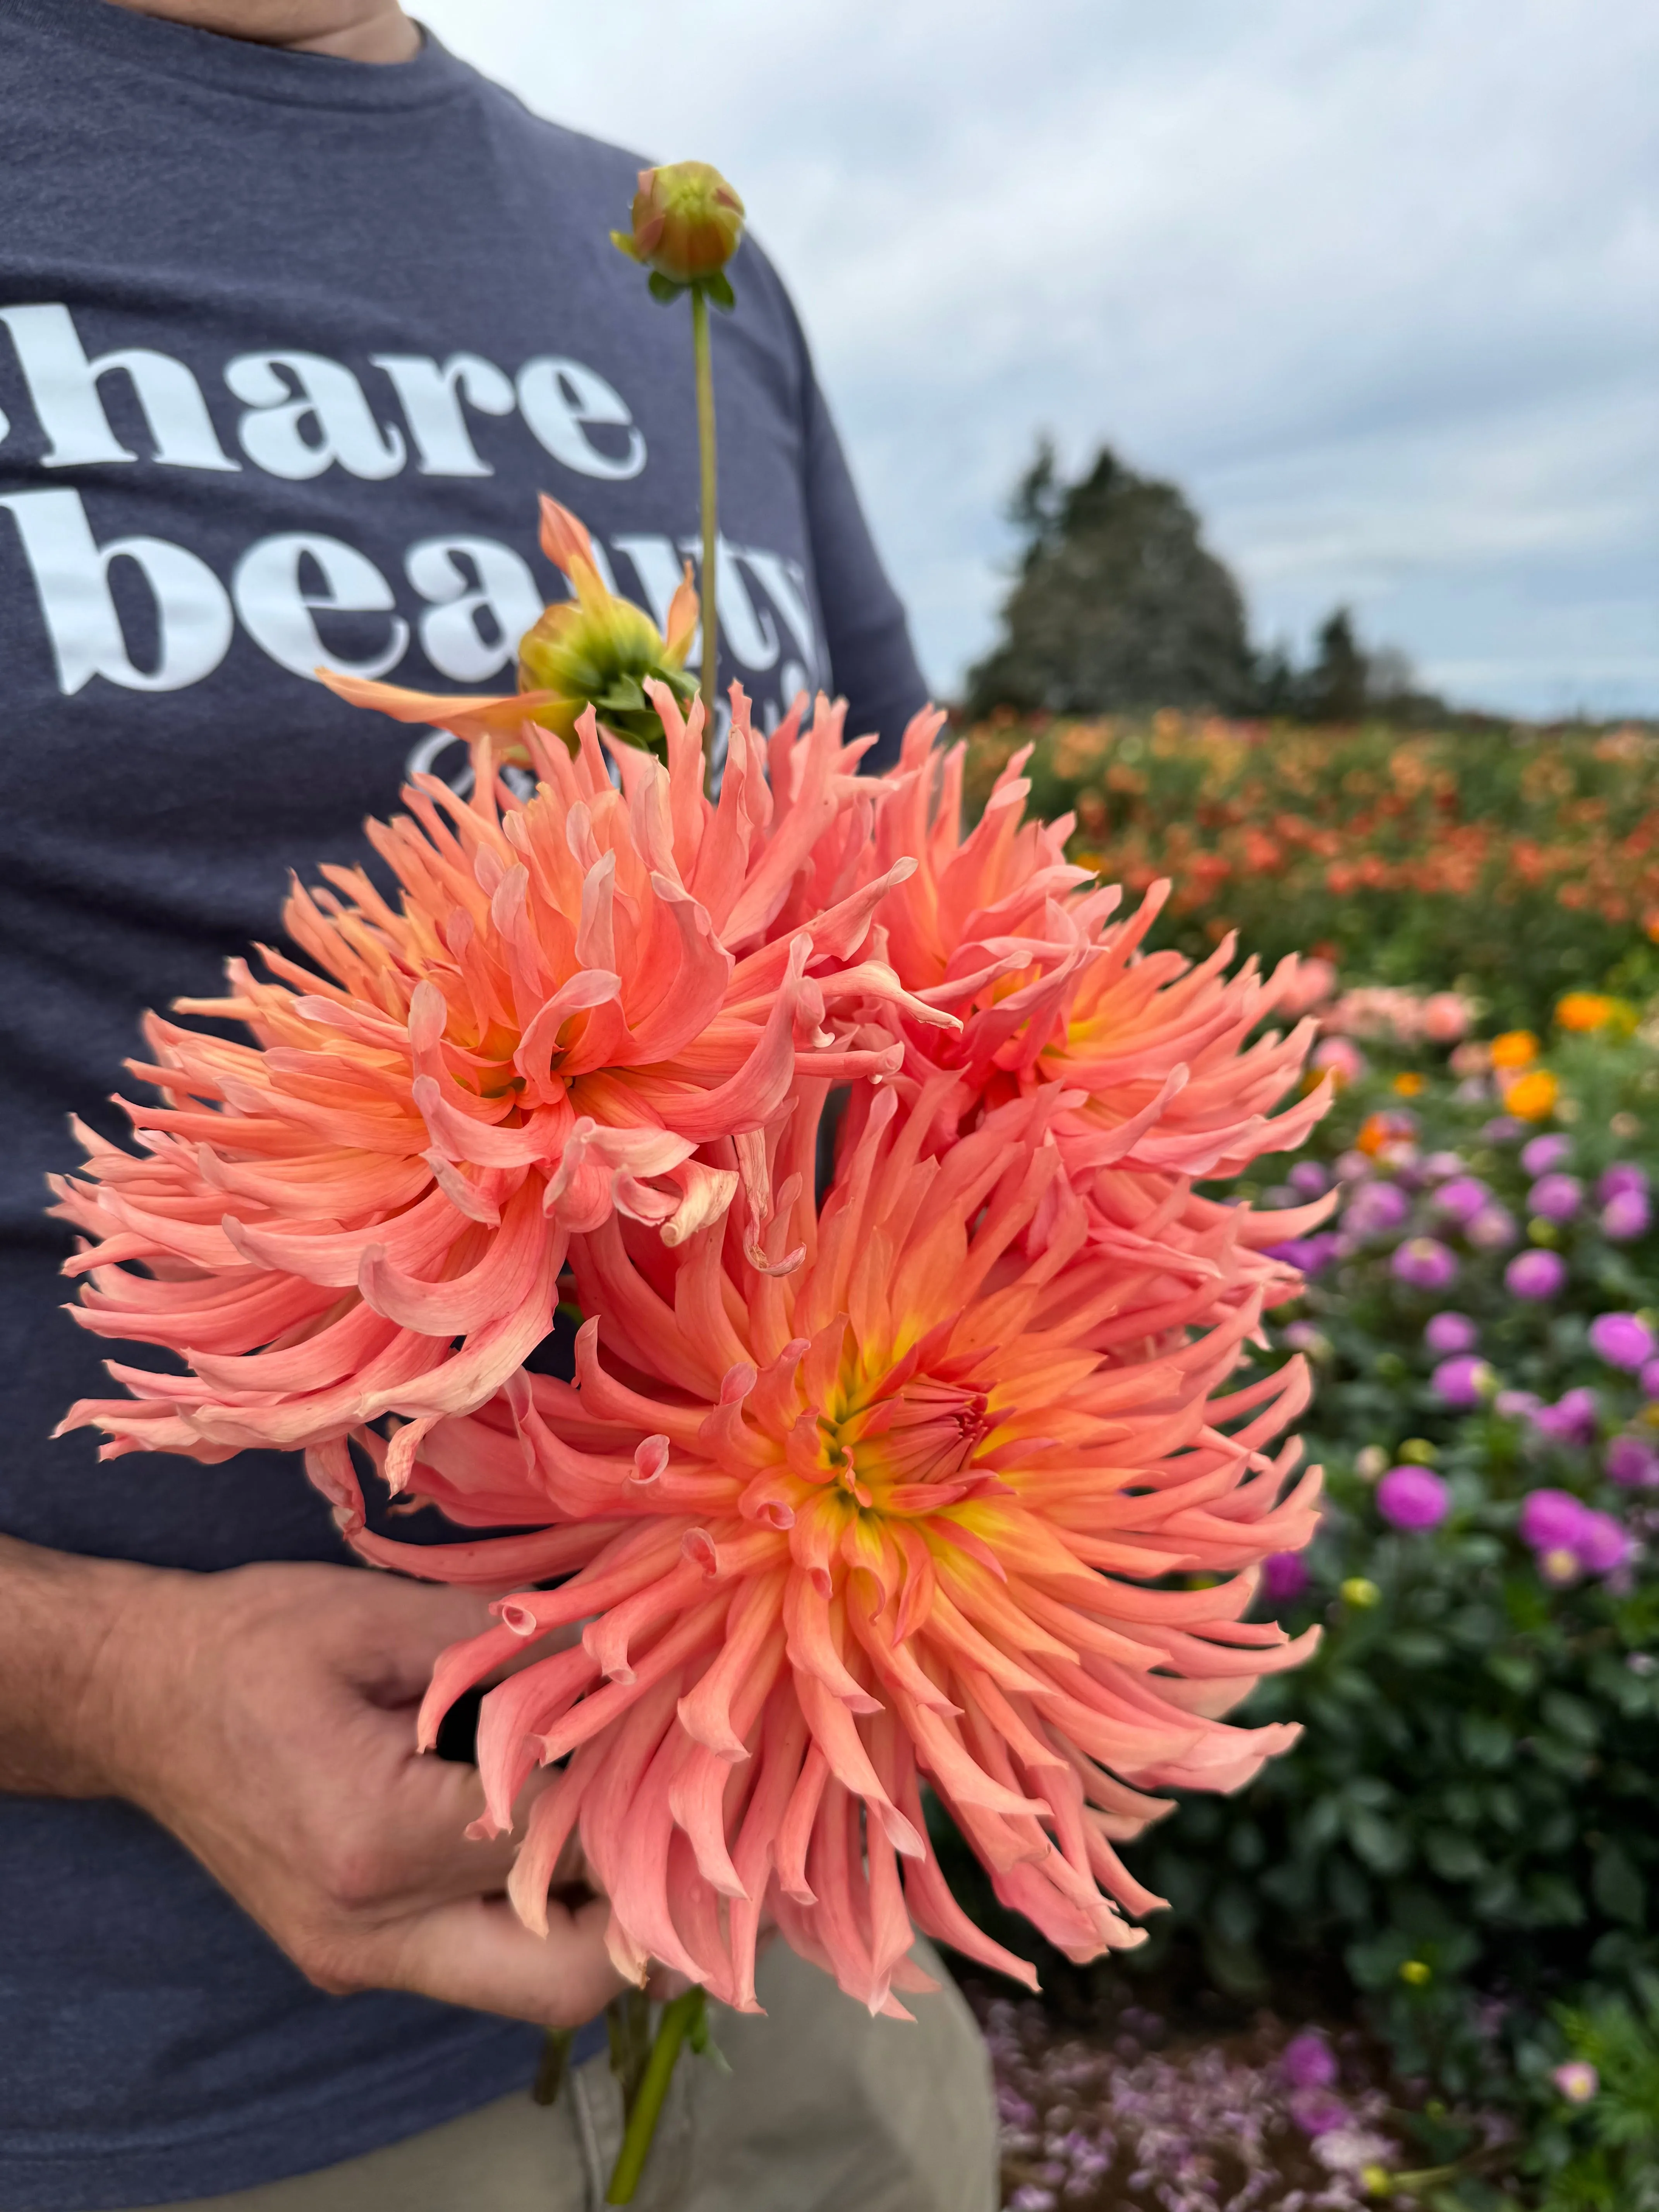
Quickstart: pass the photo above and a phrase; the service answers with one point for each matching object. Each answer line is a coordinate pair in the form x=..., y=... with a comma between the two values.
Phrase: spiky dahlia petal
x=584, y=1004
x=906, y=1512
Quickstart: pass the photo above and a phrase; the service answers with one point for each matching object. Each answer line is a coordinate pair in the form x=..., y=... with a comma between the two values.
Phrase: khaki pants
x=824, y=2110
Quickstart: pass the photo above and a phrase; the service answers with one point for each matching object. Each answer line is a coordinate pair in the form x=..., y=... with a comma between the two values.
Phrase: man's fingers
x=417, y=1621
x=476, y=1953
x=436, y=1801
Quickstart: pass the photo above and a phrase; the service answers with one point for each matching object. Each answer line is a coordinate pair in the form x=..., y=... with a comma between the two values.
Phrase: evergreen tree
x=1339, y=683
x=1116, y=604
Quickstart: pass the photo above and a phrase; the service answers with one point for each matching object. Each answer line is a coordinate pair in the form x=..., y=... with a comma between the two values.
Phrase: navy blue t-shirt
x=287, y=347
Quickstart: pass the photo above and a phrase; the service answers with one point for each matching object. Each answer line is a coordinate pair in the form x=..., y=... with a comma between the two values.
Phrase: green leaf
x=1385, y=1848
x=1617, y=1887
x=1454, y=1857
x=1516, y=1670
x=1572, y=1717
x=1487, y=1741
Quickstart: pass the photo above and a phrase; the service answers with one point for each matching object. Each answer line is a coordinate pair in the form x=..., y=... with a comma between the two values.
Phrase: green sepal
x=624, y=244
x=664, y=289
x=717, y=290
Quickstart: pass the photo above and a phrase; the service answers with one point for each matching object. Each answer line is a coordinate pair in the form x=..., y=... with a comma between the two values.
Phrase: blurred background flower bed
x=1412, y=857
x=1451, y=1884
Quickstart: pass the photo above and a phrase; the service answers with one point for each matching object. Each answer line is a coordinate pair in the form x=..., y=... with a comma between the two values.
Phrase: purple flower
x=1551, y=1520
x=1283, y=1576
x=1426, y=1263
x=1451, y=1332
x=1600, y=1543
x=1353, y=1165
x=1462, y=1198
x=1515, y=1404
x=1309, y=1178
x=1649, y=1379
x=1632, y=1463
x=1557, y=1197
x=1317, y=2111
x=1626, y=1216
x=1544, y=1153
x=1623, y=1176
x=1307, y=1253
x=1309, y=2062
x=1375, y=1209
x=1413, y=1497
x=1623, y=1340
x=1535, y=1275
x=1439, y=1165
x=1572, y=1419
x=1302, y=1336
x=1500, y=1129
x=1462, y=1382
x=1491, y=1228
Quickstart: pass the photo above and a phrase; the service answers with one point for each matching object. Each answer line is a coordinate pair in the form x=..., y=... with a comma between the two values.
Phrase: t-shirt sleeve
x=872, y=660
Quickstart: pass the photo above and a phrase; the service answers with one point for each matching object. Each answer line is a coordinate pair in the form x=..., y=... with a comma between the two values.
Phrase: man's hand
x=267, y=1717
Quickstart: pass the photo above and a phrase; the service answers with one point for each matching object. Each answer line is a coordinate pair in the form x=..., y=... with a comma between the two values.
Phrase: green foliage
x=1470, y=1821
x=1603, y=2155
x=1517, y=862
x=1116, y=604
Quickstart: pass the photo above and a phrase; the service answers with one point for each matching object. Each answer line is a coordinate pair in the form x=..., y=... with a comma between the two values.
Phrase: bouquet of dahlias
x=906, y=1460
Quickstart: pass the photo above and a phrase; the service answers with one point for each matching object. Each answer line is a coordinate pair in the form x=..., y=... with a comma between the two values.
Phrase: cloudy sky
x=1375, y=281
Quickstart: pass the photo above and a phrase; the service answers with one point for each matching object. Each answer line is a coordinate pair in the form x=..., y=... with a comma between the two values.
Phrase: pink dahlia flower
x=896, y=1514
x=584, y=1004
x=1165, y=1080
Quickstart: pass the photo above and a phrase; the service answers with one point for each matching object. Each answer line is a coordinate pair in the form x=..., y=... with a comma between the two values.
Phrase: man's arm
x=266, y=1717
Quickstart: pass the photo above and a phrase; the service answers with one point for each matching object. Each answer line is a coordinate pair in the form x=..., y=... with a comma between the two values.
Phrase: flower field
x=1417, y=859
x=1451, y=1883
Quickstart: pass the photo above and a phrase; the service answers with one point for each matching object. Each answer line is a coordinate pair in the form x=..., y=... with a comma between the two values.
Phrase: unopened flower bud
x=1361, y=1593
x=688, y=222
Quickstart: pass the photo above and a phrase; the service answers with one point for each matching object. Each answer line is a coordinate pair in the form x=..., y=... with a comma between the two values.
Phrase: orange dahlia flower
x=586, y=1001
x=902, y=1512
x=1053, y=989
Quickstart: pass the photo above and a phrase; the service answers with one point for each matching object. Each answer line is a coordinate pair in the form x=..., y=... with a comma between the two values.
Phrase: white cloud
x=1378, y=284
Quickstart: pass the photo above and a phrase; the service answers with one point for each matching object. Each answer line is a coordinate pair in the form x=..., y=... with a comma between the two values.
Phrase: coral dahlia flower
x=587, y=1001
x=1052, y=987
x=908, y=1512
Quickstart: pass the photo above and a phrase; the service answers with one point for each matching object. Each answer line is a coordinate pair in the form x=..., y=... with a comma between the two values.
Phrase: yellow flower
x=1532, y=1096
x=1515, y=1048
x=688, y=223
x=1409, y=1084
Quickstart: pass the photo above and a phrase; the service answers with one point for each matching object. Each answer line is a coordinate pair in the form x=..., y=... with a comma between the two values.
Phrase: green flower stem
x=555, y=2059
x=705, y=369
x=679, y=2020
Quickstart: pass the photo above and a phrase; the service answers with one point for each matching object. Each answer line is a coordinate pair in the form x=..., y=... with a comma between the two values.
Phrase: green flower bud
x=688, y=223
x=1416, y=1972
x=1360, y=1593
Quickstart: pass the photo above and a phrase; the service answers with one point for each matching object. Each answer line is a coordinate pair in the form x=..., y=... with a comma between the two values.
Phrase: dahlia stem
x=550, y=2070
x=627, y=2022
x=679, y=2019
x=705, y=369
